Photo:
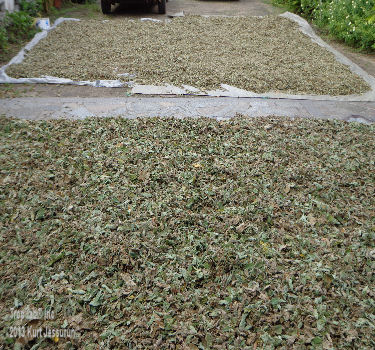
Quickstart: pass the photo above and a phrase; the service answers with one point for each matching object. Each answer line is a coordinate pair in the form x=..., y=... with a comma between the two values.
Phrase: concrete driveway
x=229, y=8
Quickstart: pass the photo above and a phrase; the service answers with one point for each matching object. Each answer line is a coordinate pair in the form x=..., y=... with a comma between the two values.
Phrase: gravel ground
x=256, y=54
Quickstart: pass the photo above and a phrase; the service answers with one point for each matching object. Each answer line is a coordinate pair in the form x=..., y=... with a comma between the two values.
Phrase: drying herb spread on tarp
x=190, y=234
x=251, y=53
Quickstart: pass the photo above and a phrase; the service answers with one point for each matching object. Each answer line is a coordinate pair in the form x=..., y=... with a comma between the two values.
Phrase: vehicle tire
x=106, y=6
x=162, y=7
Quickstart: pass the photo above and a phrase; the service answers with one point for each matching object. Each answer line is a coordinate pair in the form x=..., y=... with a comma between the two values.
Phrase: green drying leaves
x=256, y=54
x=169, y=233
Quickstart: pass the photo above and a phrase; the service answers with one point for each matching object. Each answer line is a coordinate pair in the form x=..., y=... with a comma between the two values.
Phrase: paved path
x=202, y=7
x=221, y=108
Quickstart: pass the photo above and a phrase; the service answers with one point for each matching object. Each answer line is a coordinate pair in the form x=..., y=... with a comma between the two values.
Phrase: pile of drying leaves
x=251, y=53
x=189, y=234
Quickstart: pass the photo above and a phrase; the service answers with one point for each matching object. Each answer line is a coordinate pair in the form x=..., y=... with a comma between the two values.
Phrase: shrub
x=352, y=21
x=32, y=7
x=19, y=25
x=3, y=39
x=16, y=26
x=349, y=21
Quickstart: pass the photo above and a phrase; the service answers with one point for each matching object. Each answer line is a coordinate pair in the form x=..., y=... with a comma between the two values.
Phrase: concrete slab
x=183, y=107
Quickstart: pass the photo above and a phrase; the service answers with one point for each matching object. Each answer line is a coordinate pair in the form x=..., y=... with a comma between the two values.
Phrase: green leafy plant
x=33, y=7
x=3, y=39
x=15, y=27
x=371, y=19
x=347, y=20
x=19, y=25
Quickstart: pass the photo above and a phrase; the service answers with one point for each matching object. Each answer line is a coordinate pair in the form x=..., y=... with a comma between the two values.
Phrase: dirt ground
x=197, y=7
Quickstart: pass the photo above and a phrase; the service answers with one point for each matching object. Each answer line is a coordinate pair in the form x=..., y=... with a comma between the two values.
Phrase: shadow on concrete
x=219, y=0
x=139, y=9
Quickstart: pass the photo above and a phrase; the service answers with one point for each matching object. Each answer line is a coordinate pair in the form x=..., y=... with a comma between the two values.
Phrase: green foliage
x=19, y=25
x=84, y=1
x=16, y=26
x=371, y=19
x=3, y=39
x=293, y=5
x=32, y=7
x=349, y=20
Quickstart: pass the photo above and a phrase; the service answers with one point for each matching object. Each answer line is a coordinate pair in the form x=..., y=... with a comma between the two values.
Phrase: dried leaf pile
x=256, y=54
x=190, y=234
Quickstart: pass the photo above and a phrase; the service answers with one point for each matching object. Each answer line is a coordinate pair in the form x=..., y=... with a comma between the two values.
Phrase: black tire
x=106, y=6
x=162, y=7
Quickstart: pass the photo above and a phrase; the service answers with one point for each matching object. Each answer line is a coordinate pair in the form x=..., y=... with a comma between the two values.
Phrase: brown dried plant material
x=255, y=54
x=112, y=220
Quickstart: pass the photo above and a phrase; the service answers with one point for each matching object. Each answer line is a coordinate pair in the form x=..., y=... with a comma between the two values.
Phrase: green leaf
x=278, y=329
x=321, y=324
x=55, y=258
x=97, y=301
x=317, y=341
x=243, y=321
